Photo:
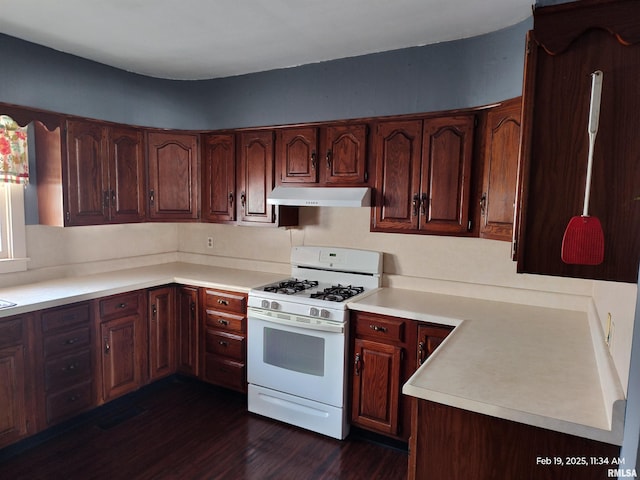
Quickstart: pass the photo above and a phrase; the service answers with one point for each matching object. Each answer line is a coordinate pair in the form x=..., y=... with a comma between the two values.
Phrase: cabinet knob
x=243, y=199
x=314, y=160
x=152, y=197
x=223, y=343
x=356, y=365
x=423, y=204
x=329, y=158
x=222, y=321
x=107, y=347
x=231, y=199
x=223, y=302
x=421, y=353
x=378, y=328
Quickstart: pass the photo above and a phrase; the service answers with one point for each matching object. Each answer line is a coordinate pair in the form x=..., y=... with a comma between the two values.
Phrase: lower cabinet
x=66, y=378
x=122, y=343
x=162, y=332
x=384, y=349
x=225, y=339
x=17, y=410
x=454, y=444
x=188, y=331
x=383, y=352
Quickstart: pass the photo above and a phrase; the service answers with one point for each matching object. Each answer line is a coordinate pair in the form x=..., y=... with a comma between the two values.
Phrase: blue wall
x=458, y=74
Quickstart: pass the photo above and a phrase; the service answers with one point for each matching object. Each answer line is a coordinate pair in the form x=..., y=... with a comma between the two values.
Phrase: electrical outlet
x=209, y=242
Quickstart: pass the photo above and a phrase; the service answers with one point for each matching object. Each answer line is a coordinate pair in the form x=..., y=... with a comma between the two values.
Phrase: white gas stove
x=298, y=337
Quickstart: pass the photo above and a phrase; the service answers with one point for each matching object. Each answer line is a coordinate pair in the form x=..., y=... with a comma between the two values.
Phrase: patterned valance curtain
x=14, y=160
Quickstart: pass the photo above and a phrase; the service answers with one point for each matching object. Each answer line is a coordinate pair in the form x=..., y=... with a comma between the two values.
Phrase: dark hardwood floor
x=181, y=429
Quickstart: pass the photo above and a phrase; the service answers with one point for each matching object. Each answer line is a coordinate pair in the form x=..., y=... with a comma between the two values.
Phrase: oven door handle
x=307, y=323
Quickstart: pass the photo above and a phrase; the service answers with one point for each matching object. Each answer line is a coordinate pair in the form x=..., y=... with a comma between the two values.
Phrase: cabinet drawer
x=120, y=305
x=65, y=317
x=68, y=402
x=229, y=301
x=228, y=373
x=11, y=332
x=380, y=328
x=226, y=321
x=68, y=370
x=66, y=341
x=226, y=344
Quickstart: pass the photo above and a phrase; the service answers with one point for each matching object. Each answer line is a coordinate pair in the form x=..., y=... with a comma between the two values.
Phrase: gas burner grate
x=289, y=287
x=338, y=293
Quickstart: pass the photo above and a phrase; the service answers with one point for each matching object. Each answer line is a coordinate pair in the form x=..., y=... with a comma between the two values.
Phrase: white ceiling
x=198, y=39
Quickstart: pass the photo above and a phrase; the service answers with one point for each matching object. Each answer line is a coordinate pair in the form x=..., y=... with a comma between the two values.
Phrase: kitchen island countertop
x=533, y=365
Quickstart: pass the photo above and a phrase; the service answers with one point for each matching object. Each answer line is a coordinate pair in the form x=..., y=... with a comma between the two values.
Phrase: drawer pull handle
x=356, y=365
x=377, y=328
x=422, y=350
x=223, y=343
x=71, y=367
x=223, y=302
x=122, y=305
x=71, y=341
x=107, y=347
x=73, y=398
x=222, y=321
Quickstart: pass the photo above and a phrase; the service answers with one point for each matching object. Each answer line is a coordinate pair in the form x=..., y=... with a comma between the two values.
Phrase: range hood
x=320, y=196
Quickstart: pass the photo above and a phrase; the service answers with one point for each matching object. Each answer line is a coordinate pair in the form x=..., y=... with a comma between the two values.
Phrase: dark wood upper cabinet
x=173, y=169
x=127, y=175
x=398, y=146
x=327, y=155
x=423, y=175
x=297, y=150
x=447, y=151
x=255, y=176
x=568, y=43
x=219, y=178
x=87, y=179
x=100, y=168
x=345, y=155
x=501, y=150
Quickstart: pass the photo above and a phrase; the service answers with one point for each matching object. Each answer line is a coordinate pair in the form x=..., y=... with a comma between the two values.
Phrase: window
x=12, y=231
x=14, y=174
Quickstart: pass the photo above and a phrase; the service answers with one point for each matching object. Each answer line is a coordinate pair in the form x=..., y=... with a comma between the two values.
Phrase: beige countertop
x=53, y=293
x=533, y=365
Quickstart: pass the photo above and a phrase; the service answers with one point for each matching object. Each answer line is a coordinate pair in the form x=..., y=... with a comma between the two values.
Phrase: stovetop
x=313, y=289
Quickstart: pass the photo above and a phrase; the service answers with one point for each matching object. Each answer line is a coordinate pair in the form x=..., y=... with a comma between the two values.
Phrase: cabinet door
x=123, y=357
x=255, y=177
x=187, y=318
x=162, y=332
x=126, y=175
x=376, y=386
x=397, y=150
x=446, y=174
x=502, y=146
x=346, y=155
x=173, y=176
x=13, y=419
x=219, y=178
x=429, y=338
x=566, y=46
x=297, y=151
x=87, y=177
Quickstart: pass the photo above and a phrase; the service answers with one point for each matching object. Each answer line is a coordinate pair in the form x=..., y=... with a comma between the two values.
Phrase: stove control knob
x=265, y=303
x=275, y=306
x=325, y=313
x=314, y=312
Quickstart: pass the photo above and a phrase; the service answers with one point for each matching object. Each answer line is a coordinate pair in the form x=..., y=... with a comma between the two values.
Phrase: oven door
x=301, y=356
